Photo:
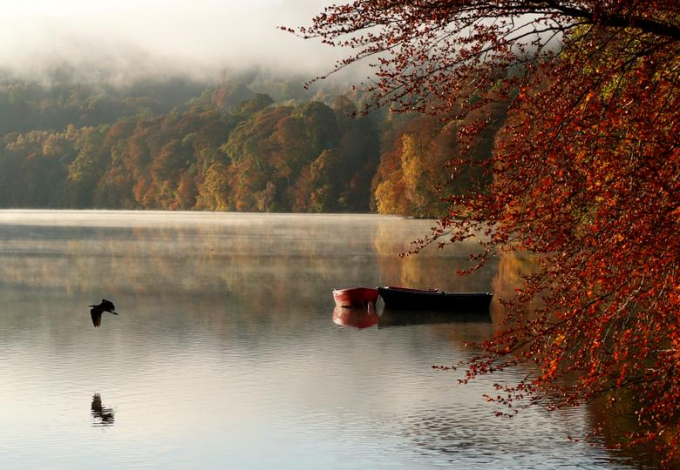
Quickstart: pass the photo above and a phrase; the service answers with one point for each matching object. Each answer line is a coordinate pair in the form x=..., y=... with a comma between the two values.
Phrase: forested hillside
x=182, y=145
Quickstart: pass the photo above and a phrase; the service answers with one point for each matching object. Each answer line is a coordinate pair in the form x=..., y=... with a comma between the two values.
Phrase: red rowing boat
x=355, y=297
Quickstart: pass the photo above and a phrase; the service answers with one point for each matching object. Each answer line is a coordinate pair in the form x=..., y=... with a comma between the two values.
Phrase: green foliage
x=88, y=167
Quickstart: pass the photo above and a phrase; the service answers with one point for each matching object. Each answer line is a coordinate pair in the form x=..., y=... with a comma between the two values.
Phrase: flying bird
x=97, y=310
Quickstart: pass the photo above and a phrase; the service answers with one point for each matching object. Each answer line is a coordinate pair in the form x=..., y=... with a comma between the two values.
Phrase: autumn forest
x=181, y=145
x=543, y=130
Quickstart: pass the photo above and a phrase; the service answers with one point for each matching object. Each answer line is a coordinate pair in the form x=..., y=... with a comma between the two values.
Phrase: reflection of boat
x=356, y=317
x=391, y=317
x=400, y=298
x=355, y=297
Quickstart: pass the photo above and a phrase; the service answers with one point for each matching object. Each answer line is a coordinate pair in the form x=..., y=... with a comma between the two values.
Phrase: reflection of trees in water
x=614, y=415
x=194, y=275
x=431, y=267
x=511, y=267
x=275, y=253
x=613, y=425
x=441, y=433
x=101, y=416
x=78, y=258
x=459, y=434
x=267, y=265
x=262, y=260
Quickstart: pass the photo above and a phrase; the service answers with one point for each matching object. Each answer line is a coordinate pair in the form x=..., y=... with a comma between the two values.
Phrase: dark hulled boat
x=401, y=298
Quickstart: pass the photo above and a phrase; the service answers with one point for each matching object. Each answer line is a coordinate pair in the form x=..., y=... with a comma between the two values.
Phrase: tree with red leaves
x=585, y=173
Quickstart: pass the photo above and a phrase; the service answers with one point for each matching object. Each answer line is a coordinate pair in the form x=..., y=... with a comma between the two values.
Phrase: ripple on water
x=225, y=355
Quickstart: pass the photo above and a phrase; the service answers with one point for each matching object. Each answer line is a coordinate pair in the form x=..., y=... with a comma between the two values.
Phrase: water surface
x=225, y=354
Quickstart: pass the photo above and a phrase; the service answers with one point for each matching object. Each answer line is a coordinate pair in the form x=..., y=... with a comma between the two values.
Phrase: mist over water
x=225, y=354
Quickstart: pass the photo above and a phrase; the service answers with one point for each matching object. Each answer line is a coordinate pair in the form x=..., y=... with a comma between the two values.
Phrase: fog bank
x=126, y=39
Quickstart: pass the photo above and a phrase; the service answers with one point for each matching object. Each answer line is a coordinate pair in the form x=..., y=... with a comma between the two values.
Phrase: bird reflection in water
x=101, y=416
x=356, y=317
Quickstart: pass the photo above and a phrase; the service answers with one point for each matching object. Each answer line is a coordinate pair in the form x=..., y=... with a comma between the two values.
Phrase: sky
x=194, y=37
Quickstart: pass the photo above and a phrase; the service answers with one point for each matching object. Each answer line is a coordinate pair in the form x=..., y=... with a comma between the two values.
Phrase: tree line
x=178, y=145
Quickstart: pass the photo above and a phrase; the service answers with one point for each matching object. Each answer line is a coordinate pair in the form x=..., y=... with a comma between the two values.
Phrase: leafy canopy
x=585, y=173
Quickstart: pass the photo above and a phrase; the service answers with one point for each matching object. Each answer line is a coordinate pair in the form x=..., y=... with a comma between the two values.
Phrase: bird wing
x=96, y=317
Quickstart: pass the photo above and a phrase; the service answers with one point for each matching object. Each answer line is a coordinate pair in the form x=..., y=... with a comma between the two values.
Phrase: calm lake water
x=225, y=353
